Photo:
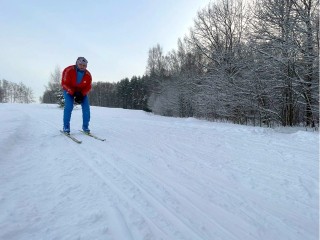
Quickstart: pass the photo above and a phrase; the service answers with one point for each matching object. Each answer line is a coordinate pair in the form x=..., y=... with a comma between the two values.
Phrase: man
x=76, y=84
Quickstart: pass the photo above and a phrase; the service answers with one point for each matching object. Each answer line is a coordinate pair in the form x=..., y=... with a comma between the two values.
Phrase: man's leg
x=85, y=113
x=68, y=107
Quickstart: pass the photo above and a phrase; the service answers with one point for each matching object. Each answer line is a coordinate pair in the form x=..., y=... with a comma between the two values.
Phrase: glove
x=78, y=97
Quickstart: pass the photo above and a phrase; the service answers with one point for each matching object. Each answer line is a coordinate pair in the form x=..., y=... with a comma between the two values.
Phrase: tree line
x=254, y=63
x=127, y=94
x=11, y=92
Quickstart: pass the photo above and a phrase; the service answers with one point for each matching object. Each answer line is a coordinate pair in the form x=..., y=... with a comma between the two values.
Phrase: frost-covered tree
x=307, y=42
x=11, y=92
x=218, y=35
x=53, y=92
x=285, y=33
x=256, y=63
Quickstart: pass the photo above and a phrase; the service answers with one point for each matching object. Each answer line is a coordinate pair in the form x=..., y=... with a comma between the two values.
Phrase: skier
x=76, y=84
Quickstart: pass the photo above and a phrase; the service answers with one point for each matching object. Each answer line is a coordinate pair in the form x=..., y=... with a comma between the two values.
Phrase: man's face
x=82, y=66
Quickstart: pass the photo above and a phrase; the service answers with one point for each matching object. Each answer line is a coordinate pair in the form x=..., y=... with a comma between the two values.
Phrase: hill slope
x=153, y=178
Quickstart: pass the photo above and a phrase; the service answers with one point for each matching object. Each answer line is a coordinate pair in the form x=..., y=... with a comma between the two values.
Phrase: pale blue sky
x=114, y=35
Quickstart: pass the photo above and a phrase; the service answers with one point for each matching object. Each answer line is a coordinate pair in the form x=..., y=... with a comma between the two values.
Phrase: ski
x=93, y=136
x=71, y=137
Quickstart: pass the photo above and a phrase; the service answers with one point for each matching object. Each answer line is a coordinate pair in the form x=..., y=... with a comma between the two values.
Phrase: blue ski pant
x=68, y=107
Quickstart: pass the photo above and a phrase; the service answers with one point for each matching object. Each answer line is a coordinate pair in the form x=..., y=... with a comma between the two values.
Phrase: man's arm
x=64, y=82
x=87, y=87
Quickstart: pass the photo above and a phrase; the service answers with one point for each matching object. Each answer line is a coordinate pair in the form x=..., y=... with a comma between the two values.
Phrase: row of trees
x=257, y=64
x=128, y=94
x=249, y=64
x=11, y=92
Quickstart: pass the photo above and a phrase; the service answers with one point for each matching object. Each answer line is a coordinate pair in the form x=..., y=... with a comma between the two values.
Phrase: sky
x=114, y=35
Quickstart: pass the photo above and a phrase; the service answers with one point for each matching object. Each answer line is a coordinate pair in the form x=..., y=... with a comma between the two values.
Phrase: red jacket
x=69, y=81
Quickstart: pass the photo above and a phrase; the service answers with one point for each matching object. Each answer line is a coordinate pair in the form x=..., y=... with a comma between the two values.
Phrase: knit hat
x=81, y=60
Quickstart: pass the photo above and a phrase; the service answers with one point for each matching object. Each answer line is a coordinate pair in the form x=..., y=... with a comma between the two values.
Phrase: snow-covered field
x=153, y=178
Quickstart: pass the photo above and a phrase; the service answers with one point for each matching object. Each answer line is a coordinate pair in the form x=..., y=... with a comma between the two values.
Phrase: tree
x=103, y=94
x=124, y=93
x=218, y=36
x=53, y=92
x=284, y=40
x=15, y=93
x=307, y=42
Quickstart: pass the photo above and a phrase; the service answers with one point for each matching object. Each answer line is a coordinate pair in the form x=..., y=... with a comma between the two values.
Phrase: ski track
x=153, y=178
x=138, y=192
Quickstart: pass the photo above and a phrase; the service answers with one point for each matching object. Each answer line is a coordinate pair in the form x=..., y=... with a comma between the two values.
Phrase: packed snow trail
x=153, y=178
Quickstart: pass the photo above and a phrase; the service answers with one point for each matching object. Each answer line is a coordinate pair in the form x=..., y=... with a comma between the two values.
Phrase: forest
x=246, y=62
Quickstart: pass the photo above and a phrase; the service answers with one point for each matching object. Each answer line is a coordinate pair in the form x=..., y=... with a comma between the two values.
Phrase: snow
x=153, y=178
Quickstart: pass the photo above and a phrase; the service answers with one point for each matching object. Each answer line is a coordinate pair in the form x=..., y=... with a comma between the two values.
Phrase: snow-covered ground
x=153, y=178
